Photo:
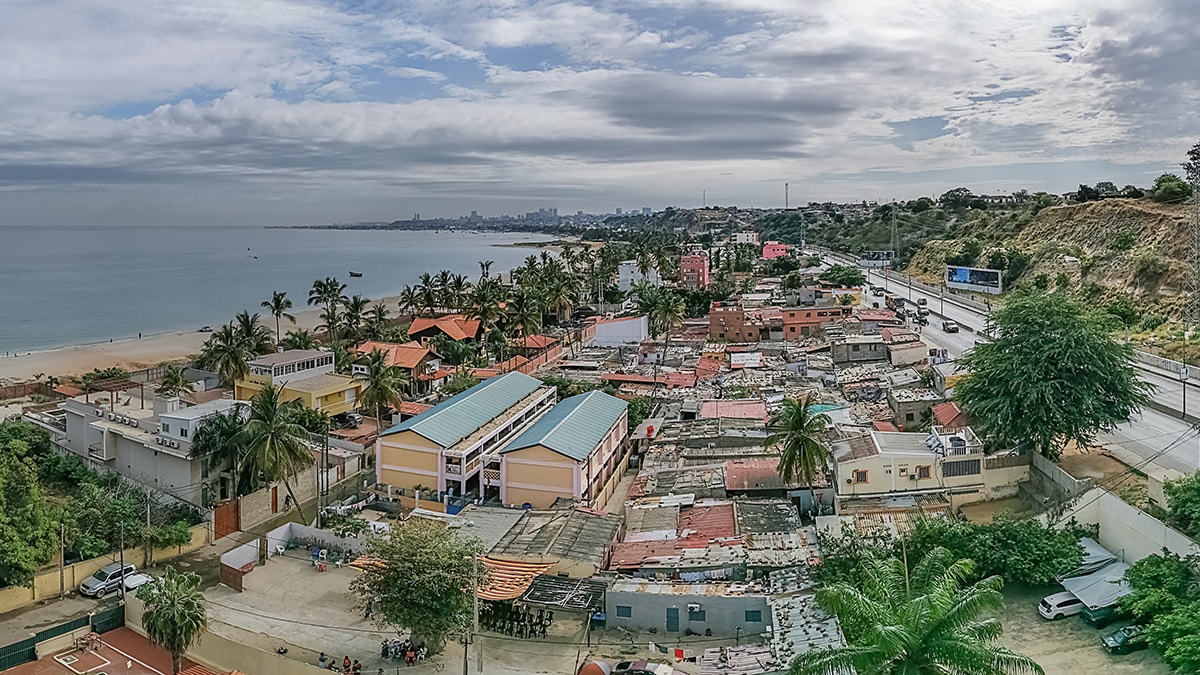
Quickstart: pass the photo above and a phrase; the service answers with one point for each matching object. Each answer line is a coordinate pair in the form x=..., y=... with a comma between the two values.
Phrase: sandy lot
x=1068, y=646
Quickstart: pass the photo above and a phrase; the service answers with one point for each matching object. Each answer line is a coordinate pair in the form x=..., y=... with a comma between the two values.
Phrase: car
x=921, y=320
x=922, y=311
x=1059, y=605
x=1125, y=640
x=877, y=291
x=1101, y=617
x=106, y=580
x=136, y=581
x=922, y=301
x=204, y=329
x=950, y=326
x=347, y=420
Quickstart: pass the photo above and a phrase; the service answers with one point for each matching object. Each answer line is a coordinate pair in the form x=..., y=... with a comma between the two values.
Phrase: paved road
x=1143, y=439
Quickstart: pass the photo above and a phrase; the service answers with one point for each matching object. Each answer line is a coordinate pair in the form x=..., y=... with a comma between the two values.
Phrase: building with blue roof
x=576, y=451
x=446, y=448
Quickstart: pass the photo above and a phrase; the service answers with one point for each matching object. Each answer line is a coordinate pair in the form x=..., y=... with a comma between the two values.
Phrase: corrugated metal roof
x=573, y=427
x=459, y=416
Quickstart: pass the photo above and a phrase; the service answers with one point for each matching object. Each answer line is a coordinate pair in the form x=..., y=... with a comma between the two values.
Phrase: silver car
x=106, y=580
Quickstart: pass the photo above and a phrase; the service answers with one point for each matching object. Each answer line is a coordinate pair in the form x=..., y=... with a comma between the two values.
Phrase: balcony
x=96, y=451
x=454, y=469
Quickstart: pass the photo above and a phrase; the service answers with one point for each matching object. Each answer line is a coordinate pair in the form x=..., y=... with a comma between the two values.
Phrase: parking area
x=1068, y=646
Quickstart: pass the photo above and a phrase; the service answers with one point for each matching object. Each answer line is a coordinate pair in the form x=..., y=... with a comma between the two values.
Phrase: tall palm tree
x=525, y=310
x=560, y=294
x=458, y=291
x=220, y=444
x=331, y=322
x=225, y=352
x=258, y=337
x=429, y=299
x=377, y=320
x=175, y=615
x=410, y=300
x=382, y=385
x=485, y=266
x=330, y=293
x=174, y=382
x=278, y=307
x=923, y=621
x=276, y=447
x=666, y=312
x=354, y=316
x=800, y=436
x=441, y=285
x=299, y=339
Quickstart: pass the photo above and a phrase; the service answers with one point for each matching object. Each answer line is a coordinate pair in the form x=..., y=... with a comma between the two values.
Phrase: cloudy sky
x=309, y=111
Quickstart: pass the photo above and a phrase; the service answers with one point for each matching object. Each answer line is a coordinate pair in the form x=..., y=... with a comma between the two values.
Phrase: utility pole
x=62, y=560
x=785, y=196
x=149, y=544
x=478, y=639
x=704, y=198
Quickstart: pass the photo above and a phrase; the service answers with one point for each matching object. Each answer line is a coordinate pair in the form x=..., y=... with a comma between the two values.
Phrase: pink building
x=774, y=249
x=693, y=270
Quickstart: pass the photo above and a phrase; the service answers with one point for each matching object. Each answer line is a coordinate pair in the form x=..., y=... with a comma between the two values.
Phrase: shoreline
x=152, y=349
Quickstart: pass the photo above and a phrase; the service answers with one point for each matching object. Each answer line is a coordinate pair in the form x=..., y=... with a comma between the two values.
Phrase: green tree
x=956, y=199
x=1177, y=636
x=1018, y=550
x=1041, y=281
x=926, y=620
x=278, y=307
x=1183, y=504
x=800, y=436
x=299, y=339
x=26, y=528
x=639, y=409
x=1160, y=583
x=276, y=447
x=382, y=386
x=174, y=382
x=1052, y=373
x=175, y=615
x=1170, y=189
x=666, y=311
x=459, y=382
x=257, y=336
x=36, y=442
x=423, y=580
x=844, y=276
x=225, y=352
x=329, y=293
x=221, y=444
x=968, y=252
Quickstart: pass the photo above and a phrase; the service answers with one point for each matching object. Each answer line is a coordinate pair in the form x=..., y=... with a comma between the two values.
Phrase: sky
x=307, y=111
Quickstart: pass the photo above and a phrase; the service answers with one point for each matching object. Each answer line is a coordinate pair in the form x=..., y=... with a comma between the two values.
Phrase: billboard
x=976, y=279
x=875, y=259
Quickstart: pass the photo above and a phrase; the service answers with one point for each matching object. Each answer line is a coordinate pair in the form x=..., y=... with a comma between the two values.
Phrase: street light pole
x=1183, y=378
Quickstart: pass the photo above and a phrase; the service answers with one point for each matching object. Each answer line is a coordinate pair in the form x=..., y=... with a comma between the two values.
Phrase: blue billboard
x=977, y=279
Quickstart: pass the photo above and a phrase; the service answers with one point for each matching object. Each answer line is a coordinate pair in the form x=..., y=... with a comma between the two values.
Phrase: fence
x=26, y=389
x=26, y=650
x=49, y=584
x=1061, y=479
x=1007, y=461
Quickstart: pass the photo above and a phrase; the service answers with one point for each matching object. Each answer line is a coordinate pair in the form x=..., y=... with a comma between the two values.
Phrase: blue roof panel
x=461, y=415
x=573, y=427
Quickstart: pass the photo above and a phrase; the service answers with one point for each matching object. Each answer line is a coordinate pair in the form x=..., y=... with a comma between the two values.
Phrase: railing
x=454, y=469
x=1007, y=461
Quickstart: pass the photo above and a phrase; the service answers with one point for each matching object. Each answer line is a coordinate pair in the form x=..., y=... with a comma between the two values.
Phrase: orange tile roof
x=539, y=341
x=884, y=425
x=949, y=415
x=456, y=326
x=701, y=524
x=413, y=408
x=408, y=355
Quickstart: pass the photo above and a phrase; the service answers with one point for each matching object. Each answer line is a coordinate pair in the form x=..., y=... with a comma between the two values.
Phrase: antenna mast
x=1192, y=171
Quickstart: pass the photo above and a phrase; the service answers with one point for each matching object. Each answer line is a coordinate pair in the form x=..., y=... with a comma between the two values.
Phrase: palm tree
x=174, y=382
x=328, y=292
x=800, y=435
x=278, y=307
x=919, y=622
x=382, y=385
x=299, y=339
x=276, y=447
x=377, y=320
x=410, y=300
x=666, y=312
x=257, y=336
x=525, y=310
x=355, y=316
x=485, y=267
x=331, y=320
x=225, y=352
x=560, y=294
x=441, y=285
x=429, y=299
x=175, y=616
x=458, y=290
x=219, y=442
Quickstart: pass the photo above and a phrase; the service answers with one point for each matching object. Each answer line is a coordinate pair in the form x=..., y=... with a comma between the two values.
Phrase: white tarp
x=1101, y=588
x=1095, y=557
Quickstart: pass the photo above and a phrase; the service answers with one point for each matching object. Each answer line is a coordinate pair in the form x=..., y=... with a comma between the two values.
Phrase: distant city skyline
x=316, y=111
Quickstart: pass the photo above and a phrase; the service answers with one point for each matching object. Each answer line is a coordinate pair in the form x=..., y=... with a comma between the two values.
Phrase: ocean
x=64, y=286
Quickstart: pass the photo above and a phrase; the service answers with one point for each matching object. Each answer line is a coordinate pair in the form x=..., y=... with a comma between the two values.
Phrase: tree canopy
x=423, y=581
x=1170, y=189
x=26, y=526
x=1052, y=373
x=175, y=615
x=844, y=275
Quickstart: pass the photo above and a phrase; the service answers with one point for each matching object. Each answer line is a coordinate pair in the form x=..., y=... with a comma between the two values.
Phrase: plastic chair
x=324, y=555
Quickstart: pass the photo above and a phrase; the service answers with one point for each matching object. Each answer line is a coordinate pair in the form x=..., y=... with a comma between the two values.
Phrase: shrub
x=1123, y=239
x=1151, y=321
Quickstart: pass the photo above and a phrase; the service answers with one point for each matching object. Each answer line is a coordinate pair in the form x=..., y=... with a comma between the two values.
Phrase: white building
x=750, y=238
x=628, y=274
x=628, y=331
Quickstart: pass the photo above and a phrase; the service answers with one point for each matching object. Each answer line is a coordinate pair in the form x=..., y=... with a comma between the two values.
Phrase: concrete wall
x=46, y=585
x=1125, y=530
x=256, y=507
x=722, y=614
x=1048, y=477
x=622, y=333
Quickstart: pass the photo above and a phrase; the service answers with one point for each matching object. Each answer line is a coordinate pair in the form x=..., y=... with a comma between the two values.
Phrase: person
x=384, y=647
x=346, y=664
x=322, y=660
x=356, y=669
x=410, y=657
x=422, y=652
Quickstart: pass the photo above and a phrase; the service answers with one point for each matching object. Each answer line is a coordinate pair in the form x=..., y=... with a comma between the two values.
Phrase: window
x=909, y=417
x=754, y=616
x=624, y=612
x=966, y=467
x=183, y=432
x=854, y=348
x=903, y=472
x=166, y=428
x=922, y=472
x=792, y=329
x=860, y=476
x=697, y=615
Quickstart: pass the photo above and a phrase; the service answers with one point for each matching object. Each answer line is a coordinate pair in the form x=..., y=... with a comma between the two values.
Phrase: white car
x=135, y=581
x=1059, y=605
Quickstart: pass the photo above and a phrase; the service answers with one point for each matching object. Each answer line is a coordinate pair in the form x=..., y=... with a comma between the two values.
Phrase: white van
x=1057, y=606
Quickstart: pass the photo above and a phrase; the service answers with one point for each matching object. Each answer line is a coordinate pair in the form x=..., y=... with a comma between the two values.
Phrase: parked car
x=922, y=311
x=1103, y=616
x=348, y=420
x=1125, y=640
x=950, y=326
x=878, y=291
x=1060, y=605
x=106, y=580
x=922, y=301
x=204, y=329
x=136, y=581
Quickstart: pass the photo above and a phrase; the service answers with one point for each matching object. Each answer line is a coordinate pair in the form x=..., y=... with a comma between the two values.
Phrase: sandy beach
x=134, y=353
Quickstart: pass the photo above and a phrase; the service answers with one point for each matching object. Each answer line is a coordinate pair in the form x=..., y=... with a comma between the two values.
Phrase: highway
x=1144, y=440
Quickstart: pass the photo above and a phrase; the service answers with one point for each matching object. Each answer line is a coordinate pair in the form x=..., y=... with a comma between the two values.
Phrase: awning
x=68, y=391
x=507, y=580
x=1101, y=588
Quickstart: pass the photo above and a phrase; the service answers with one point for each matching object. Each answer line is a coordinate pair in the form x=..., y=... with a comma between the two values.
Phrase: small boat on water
x=356, y=274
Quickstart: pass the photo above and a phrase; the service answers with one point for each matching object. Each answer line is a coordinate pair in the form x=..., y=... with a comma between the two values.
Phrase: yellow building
x=576, y=451
x=302, y=375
